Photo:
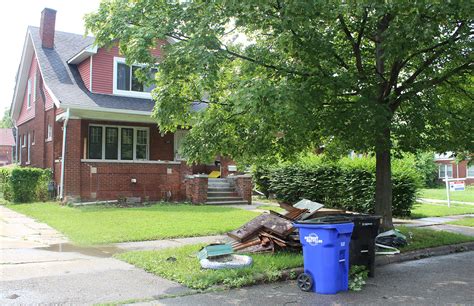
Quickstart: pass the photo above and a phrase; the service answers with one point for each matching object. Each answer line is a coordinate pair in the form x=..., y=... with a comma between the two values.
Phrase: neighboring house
x=447, y=166
x=80, y=111
x=7, y=146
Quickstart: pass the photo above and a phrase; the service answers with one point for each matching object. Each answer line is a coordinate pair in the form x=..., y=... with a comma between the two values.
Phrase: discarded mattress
x=226, y=262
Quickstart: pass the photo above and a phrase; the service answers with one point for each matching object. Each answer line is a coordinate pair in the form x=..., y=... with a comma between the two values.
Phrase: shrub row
x=345, y=184
x=21, y=185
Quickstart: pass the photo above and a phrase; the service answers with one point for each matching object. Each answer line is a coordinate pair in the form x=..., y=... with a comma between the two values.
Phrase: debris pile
x=273, y=231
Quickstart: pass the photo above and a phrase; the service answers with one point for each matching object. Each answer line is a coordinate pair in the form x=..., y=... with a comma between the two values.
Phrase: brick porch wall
x=243, y=186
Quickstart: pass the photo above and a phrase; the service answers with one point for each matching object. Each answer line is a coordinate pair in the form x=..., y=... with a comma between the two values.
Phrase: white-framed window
x=445, y=169
x=24, y=141
x=49, y=135
x=470, y=171
x=112, y=142
x=28, y=97
x=29, y=149
x=33, y=138
x=34, y=88
x=126, y=83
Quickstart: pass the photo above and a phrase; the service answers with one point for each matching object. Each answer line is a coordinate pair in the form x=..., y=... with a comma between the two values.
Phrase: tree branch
x=431, y=59
x=422, y=85
x=355, y=46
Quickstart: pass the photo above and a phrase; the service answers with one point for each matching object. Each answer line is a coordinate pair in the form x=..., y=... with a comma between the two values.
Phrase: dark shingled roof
x=65, y=81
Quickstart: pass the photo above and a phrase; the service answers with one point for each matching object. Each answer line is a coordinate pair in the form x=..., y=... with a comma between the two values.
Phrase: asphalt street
x=431, y=281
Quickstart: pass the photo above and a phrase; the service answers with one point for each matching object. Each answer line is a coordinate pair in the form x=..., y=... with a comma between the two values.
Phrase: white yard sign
x=454, y=184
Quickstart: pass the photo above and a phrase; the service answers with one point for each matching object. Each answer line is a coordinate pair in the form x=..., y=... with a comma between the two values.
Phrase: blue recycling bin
x=326, y=254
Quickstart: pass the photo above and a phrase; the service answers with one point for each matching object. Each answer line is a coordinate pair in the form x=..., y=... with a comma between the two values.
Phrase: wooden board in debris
x=310, y=206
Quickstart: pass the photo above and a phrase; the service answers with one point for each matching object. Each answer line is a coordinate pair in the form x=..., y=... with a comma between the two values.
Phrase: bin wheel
x=305, y=282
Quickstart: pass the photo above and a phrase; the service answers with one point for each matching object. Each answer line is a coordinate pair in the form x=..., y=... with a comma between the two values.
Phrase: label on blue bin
x=313, y=239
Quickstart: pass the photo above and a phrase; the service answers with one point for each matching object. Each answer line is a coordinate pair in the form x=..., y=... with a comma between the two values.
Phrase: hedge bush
x=347, y=184
x=22, y=185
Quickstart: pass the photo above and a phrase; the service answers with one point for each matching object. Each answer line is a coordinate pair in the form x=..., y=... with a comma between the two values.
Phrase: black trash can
x=362, y=246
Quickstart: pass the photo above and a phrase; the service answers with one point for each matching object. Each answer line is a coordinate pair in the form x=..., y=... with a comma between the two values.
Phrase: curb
x=392, y=259
x=424, y=253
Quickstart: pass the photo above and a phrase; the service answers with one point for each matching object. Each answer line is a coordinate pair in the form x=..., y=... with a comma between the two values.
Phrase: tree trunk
x=383, y=180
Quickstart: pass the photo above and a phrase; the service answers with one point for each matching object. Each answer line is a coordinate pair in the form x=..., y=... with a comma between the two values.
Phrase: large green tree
x=283, y=76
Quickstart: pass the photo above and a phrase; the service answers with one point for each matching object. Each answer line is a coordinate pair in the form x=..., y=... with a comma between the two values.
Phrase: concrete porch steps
x=221, y=192
x=242, y=202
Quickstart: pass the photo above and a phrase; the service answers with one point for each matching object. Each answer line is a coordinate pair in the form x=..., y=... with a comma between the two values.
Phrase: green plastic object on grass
x=215, y=250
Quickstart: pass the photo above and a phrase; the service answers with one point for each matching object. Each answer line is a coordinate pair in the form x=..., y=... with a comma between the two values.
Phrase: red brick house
x=447, y=165
x=81, y=111
x=7, y=146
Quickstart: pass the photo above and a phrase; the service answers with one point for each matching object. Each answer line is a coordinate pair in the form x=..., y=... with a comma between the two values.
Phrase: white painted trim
x=130, y=161
x=26, y=46
x=126, y=93
x=28, y=153
x=63, y=155
x=83, y=54
x=110, y=110
x=28, y=94
x=34, y=88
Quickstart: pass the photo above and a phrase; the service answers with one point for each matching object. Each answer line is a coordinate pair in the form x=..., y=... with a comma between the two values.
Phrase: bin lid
x=332, y=219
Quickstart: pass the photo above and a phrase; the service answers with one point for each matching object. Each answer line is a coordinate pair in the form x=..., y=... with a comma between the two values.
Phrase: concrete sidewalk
x=38, y=266
x=425, y=200
x=440, y=224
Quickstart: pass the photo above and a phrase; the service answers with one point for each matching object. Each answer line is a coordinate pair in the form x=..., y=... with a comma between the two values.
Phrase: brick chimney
x=48, y=21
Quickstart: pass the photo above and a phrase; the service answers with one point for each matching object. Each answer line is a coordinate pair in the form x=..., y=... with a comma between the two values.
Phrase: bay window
x=109, y=142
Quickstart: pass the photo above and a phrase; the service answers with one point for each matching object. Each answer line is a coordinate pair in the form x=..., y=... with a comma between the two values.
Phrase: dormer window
x=126, y=83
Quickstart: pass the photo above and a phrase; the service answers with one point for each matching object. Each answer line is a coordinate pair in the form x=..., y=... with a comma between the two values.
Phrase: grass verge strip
x=181, y=265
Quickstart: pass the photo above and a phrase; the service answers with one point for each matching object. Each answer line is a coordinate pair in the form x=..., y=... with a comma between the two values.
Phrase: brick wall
x=72, y=163
x=243, y=186
x=41, y=149
x=112, y=180
x=6, y=155
x=196, y=188
x=459, y=170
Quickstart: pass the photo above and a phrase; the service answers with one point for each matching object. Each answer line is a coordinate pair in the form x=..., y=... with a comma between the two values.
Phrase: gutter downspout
x=16, y=143
x=66, y=120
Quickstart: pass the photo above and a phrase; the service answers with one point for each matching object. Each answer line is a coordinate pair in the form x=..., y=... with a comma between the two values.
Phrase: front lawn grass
x=422, y=238
x=186, y=269
x=440, y=194
x=424, y=210
x=101, y=225
x=181, y=264
x=465, y=222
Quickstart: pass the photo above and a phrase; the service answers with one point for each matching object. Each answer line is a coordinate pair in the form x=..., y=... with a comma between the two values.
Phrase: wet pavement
x=38, y=265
